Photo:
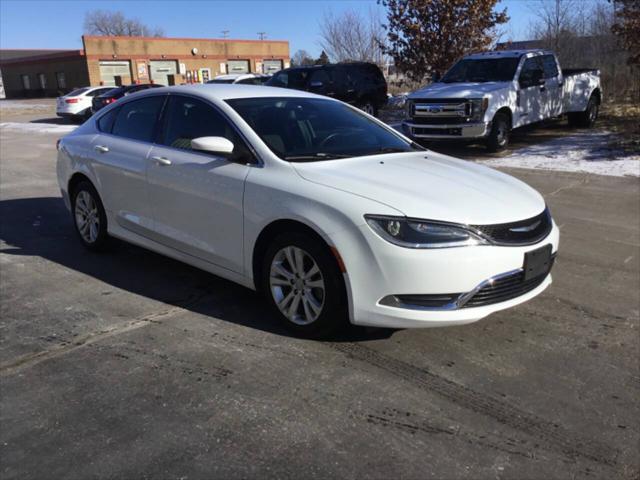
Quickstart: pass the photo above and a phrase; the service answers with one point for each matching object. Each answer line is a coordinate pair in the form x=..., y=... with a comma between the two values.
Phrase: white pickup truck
x=486, y=95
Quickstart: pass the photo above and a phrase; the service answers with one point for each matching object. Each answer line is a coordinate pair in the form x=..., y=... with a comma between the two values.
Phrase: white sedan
x=330, y=213
x=76, y=105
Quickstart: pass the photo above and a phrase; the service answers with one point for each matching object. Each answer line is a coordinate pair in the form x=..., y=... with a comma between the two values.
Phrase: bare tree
x=102, y=22
x=302, y=57
x=353, y=36
x=556, y=22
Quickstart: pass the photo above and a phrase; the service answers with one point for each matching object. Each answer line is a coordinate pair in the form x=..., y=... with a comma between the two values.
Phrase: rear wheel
x=586, y=119
x=89, y=216
x=499, y=135
x=304, y=285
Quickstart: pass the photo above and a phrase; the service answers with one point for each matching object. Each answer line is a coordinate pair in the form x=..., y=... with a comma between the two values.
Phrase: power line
x=225, y=33
x=262, y=35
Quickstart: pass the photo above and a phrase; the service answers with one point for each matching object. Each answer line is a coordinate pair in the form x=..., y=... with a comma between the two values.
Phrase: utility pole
x=225, y=33
x=262, y=35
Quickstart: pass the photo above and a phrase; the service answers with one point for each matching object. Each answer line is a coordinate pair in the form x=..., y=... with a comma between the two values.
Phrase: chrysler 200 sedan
x=330, y=213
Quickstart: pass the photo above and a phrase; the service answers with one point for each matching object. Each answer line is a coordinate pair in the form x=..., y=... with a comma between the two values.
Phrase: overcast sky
x=58, y=24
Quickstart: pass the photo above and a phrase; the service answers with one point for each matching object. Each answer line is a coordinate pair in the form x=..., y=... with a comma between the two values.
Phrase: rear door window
x=137, y=120
x=550, y=66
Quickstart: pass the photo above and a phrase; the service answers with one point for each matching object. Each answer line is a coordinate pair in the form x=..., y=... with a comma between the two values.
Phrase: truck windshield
x=482, y=70
x=299, y=129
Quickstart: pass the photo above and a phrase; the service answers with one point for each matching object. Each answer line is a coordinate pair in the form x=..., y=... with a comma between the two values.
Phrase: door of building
x=160, y=70
x=111, y=70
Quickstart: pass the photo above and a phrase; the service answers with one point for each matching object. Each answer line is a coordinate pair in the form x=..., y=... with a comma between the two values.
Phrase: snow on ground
x=589, y=152
x=36, y=127
x=24, y=105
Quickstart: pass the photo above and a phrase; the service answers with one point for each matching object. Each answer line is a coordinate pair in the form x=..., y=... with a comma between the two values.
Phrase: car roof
x=223, y=91
x=506, y=53
x=236, y=76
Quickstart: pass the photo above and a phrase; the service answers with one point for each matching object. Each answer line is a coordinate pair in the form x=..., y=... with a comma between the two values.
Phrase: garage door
x=161, y=69
x=271, y=66
x=238, y=66
x=114, y=73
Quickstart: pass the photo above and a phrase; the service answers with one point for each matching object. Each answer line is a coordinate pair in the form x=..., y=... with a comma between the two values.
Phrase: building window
x=42, y=79
x=61, y=79
x=26, y=82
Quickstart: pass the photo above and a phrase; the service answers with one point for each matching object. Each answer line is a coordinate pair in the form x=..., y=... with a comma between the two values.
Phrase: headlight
x=408, y=108
x=478, y=107
x=410, y=233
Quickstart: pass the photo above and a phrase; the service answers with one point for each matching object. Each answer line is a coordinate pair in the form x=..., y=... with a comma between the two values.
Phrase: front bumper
x=446, y=132
x=379, y=269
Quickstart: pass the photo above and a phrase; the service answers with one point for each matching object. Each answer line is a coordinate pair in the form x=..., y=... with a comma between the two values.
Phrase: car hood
x=430, y=185
x=458, y=90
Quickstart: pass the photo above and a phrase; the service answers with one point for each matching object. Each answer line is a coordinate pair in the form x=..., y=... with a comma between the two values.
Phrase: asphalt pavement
x=131, y=365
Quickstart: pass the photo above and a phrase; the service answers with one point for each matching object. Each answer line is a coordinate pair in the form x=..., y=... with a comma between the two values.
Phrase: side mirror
x=219, y=145
x=316, y=84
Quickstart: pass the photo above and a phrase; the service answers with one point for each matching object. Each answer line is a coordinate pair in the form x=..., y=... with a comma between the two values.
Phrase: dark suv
x=360, y=84
x=118, y=92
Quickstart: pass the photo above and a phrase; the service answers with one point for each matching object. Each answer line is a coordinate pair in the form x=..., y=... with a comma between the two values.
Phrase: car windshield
x=313, y=129
x=77, y=92
x=221, y=81
x=482, y=70
x=290, y=79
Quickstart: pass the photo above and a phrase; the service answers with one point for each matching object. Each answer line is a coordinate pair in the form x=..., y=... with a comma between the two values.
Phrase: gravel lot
x=131, y=365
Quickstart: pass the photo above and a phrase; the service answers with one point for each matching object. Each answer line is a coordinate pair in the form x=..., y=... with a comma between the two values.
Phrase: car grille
x=437, y=131
x=524, y=232
x=440, y=121
x=506, y=288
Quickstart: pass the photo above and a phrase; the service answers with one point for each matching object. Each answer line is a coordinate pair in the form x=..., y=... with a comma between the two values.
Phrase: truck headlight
x=478, y=108
x=408, y=108
x=412, y=233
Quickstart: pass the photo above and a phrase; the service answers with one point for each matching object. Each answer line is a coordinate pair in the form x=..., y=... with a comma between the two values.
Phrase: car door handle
x=162, y=161
x=101, y=149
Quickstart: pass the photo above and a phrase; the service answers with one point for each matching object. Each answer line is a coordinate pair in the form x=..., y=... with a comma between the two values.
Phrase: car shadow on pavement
x=42, y=227
x=53, y=121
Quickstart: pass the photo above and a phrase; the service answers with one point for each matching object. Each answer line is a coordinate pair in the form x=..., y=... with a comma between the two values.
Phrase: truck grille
x=524, y=232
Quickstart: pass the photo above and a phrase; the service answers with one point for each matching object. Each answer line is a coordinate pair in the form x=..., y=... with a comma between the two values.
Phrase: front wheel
x=499, y=135
x=89, y=217
x=304, y=285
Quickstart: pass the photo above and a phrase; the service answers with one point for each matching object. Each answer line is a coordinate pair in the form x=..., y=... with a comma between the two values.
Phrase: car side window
x=319, y=78
x=550, y=66
x=98, y=92
x=137, y=120
x=187, y=118
x=105, y=122
x=531, y=72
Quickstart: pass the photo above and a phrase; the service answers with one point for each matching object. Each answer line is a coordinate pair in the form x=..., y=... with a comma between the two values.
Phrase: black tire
x=101, y=240
x=498, y=138
x=333, y=314
x=586, y=119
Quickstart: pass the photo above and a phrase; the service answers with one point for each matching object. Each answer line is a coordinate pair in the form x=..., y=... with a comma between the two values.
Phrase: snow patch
x=37, y=127
x=590, y=152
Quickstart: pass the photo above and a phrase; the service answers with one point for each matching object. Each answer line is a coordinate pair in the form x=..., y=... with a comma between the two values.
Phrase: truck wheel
x=586, y=119
x=499, y=135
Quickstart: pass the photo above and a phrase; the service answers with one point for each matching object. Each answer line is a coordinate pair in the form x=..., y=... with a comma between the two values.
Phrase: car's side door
x=553, y=86
x=119, y=154
x=197, y=196
x=531, y=92
x=320, y=83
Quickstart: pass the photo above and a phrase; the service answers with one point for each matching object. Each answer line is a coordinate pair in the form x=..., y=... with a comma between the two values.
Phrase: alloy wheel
x=87, y=216
x=297, y=285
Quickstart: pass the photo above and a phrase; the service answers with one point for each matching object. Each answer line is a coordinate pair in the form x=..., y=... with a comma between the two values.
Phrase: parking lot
x=132, y=365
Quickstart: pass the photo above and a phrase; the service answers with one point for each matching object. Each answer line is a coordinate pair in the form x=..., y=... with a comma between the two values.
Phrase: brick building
x=125, y=60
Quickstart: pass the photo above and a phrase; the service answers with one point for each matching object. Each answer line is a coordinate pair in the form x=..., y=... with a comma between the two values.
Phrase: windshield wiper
x=315, y=156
